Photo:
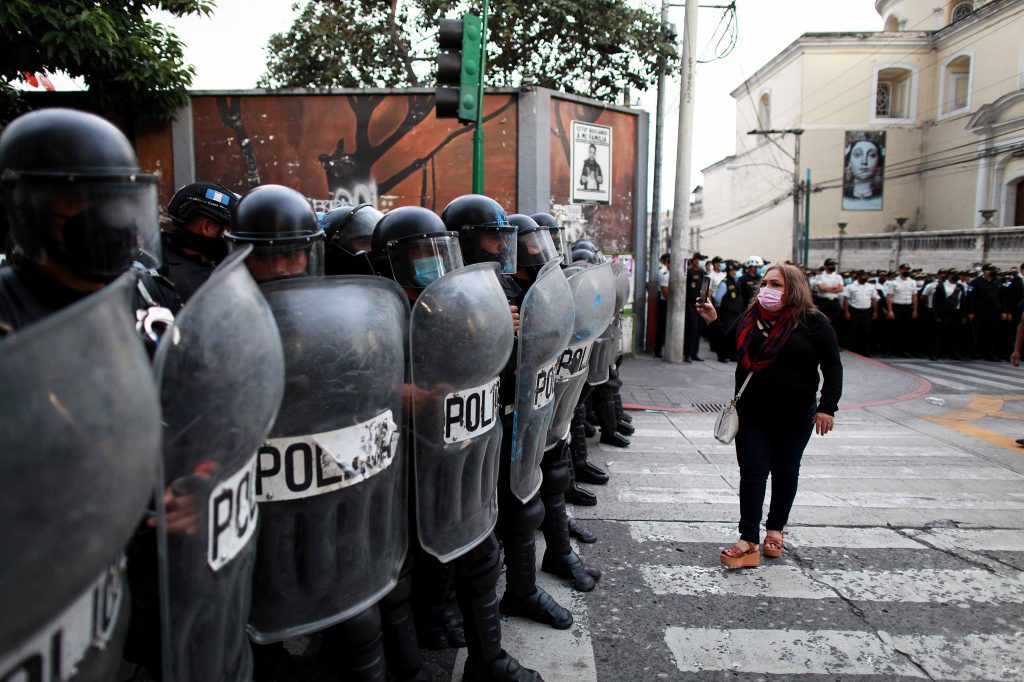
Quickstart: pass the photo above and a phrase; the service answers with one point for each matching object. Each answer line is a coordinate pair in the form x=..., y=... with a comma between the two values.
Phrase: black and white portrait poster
x=591, y=163
x=863, y=170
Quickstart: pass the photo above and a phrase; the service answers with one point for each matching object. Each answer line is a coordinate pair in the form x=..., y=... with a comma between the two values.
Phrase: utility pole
x=681, y=206
x=653, y=293
x=797, y=251
x=478, y=131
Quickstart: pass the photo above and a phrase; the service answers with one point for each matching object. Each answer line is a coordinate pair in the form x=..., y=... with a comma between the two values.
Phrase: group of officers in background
x=952, y=313
x=264, y=424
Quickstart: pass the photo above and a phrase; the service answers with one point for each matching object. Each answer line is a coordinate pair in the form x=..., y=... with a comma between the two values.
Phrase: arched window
x=894, y=92
x=892, y=24
x=764, y=111
x=960, y=11
x=956, y=84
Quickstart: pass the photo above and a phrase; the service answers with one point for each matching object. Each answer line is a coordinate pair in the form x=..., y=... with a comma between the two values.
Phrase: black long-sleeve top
x=790, y=384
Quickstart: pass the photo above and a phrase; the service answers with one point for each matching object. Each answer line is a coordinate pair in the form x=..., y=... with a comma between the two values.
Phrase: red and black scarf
x=780, y=325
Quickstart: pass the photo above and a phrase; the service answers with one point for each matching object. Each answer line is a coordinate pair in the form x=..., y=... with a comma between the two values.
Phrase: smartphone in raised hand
x=705, y=285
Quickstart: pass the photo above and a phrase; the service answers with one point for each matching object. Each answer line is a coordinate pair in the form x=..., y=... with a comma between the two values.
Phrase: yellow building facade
x=922, y=121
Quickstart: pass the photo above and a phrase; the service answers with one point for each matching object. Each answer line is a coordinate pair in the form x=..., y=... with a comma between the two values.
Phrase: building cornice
x=980, y=15
x=840, y=41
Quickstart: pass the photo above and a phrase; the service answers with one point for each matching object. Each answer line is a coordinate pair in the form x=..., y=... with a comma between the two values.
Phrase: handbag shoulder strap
x=739, y=393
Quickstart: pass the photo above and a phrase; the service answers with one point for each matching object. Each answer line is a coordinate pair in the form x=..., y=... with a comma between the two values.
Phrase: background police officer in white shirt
x=860, y=305
x=902, y=308
x=827, y=287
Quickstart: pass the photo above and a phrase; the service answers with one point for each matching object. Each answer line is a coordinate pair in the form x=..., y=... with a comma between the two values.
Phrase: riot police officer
x=80, y=213
x=347, y=231
x=421, y=253
x=351, y=494
x=200, y=212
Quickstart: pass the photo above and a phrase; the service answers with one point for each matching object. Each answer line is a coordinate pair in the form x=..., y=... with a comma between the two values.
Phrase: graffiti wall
x=384, y=149
x=609, y=224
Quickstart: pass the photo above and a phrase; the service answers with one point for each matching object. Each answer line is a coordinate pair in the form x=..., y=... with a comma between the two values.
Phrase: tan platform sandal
x=738, y=557
x=773, y=544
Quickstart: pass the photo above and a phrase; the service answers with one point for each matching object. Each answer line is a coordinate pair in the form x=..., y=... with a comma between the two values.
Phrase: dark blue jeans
x=770, y=444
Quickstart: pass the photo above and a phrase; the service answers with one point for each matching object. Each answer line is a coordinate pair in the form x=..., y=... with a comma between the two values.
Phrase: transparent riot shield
x=331, y=480
x=221, y=383
x=461, y=338
x=621, y=297
x=593, y=295
x=546, y=320
x=80, y=444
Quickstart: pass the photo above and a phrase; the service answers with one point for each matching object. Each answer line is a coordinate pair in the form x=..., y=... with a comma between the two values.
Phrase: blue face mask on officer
x=427, y=270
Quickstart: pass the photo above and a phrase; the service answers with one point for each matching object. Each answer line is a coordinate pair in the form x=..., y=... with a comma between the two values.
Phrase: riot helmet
x=591, y=246
x=581, y=253
x=347, y=233
x=73, y=195
x=484, y=231
x=412, y=246
x=202, y=200
x=557, y=235
x=536, y=248
x=286, y=239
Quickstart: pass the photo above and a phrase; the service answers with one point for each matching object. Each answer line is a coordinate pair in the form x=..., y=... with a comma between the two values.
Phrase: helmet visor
x=93, y=225
x=271, y=262
x=490, y=244
x=561, y=246
x=536, y=248
x=418, y=262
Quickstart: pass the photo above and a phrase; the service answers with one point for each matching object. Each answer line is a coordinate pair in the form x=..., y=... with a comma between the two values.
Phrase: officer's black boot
x=620, y=411
x=522, y=595
x=355, y=648
x=577, y=494
x=559, y=559
x=604, y=405
x=438, y=623
x=589, y=417
x=581, y=532
x=476, y=573
x=584, y=471
x=400, y=645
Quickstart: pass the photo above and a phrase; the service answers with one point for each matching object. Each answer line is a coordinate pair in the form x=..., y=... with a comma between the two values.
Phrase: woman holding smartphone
x=783, y=339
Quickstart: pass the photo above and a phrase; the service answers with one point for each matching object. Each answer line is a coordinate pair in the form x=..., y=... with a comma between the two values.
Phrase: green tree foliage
x=129, y=62
x=598, y=48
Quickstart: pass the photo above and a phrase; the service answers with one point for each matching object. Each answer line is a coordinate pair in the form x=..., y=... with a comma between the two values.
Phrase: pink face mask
x=770, y=299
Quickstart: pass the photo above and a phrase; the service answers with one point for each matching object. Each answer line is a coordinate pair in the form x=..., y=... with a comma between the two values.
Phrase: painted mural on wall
x=383, y=149
x=610, y=225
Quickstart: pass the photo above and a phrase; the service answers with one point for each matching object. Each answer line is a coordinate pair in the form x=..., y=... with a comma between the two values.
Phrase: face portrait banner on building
x=863, y=170
x=591, y=163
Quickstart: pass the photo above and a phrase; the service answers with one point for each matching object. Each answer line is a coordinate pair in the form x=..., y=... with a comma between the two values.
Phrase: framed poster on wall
x=591, y=163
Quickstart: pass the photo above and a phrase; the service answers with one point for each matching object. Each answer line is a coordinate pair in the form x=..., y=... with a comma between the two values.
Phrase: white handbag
x=728, y=422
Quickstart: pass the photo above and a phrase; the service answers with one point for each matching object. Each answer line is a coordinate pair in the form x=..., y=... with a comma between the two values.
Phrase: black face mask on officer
x=96, y=243
x=213, y=249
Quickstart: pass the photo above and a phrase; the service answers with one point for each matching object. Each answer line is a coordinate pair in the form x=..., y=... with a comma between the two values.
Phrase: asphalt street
x=904, y=558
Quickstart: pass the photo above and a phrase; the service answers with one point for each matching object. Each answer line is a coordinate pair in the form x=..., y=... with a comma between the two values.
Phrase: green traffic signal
x=458, y=68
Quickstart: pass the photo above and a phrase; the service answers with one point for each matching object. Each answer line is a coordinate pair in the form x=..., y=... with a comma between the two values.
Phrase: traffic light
x=459, y=61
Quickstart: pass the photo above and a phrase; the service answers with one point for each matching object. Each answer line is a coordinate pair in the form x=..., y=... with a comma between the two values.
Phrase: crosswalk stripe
x=801, y=536
x=811, y=498
x=847, y=652
x=942, y=381
x=895, y=472
x=1001, y=384
x=973, y=539
x=1004, y=377
x=922, y=586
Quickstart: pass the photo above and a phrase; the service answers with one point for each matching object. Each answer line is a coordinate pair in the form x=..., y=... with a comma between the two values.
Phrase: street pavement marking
x=941, y=381
x=847, y=652
x=918, y=473
x=812, y=498
x=558, y=655
x=799, y=536
x=1002, y=380
x=972, y=539
x=924, y=586
x=981, y=406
